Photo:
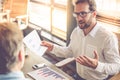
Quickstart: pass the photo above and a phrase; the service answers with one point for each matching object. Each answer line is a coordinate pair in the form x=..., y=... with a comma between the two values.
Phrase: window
x=51, y=15
x=108, y=11
x=40, y=14
x=110, y=7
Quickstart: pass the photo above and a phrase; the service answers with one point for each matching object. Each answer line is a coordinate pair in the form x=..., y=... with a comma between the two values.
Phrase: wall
x=17, y=7
x=71, y=21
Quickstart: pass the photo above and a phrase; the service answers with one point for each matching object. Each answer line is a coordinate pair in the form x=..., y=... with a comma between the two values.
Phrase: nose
x=79, y=18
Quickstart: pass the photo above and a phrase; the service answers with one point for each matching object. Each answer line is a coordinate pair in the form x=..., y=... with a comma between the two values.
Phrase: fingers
x=83, y=60
x=44, y=43
x=87, y=61
x=96, y=55
x=48, y=45
x=80, y=60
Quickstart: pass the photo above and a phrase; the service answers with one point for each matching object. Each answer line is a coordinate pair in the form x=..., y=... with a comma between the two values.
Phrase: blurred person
x=11, y=52
x=95, y=49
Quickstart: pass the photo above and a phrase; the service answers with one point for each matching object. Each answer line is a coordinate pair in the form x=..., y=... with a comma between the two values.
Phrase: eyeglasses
x=81, y=14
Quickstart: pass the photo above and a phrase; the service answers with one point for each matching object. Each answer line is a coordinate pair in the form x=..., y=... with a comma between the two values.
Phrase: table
x=116, y=77
x=33, y=58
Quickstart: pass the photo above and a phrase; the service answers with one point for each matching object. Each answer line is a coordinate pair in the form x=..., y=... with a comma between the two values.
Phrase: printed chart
x=46, y=73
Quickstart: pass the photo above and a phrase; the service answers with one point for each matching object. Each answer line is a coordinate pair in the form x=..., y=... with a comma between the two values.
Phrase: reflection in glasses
x=81, y=14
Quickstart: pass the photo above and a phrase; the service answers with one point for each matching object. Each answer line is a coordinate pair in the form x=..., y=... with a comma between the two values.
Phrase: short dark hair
x=92, y=4
x=10, y=44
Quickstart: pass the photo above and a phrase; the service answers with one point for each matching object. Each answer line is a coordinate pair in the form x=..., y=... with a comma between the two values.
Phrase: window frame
x=54, y=31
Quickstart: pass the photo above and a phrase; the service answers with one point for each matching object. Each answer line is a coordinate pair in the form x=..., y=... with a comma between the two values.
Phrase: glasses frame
x=81, y=14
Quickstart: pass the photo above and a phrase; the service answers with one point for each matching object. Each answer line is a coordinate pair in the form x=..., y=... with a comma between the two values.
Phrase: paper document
x=33, y=41
x=46, y=73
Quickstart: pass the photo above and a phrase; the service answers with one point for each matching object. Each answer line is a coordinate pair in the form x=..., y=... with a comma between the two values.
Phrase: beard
x=84, y=25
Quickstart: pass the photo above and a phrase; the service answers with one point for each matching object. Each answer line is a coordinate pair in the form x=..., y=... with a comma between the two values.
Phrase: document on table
x=33, y=41
x=46, y=73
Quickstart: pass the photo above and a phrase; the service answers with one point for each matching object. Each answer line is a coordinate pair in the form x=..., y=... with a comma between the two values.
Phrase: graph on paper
x=33, y=41
x=46, y=73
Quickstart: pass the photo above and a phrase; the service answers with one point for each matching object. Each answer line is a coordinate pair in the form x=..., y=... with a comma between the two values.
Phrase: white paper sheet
x=33, y=41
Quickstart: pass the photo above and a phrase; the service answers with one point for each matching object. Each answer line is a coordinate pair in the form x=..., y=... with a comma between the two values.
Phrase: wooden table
x=33, y=58
x=116, y=77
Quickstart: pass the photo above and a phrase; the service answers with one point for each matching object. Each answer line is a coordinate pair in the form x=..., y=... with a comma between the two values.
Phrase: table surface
x=116, y=77
x=33, y=58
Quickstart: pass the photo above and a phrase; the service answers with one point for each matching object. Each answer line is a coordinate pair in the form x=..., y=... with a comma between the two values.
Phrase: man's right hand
x=48, y=45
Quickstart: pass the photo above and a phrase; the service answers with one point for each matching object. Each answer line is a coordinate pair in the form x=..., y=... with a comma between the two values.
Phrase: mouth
x=81, y=22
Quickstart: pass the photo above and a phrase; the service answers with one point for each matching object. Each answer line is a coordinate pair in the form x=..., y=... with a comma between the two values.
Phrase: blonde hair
x=10, y=44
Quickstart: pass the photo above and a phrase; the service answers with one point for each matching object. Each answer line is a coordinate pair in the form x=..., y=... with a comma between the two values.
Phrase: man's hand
x=48, y=45
x=87, y=61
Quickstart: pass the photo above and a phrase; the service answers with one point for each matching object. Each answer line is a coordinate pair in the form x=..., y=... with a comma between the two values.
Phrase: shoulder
x=76, y=32
x=105, y=31
x=106, y=34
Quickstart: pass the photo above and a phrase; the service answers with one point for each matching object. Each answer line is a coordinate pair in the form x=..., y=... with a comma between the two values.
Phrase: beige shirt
x=99, y=39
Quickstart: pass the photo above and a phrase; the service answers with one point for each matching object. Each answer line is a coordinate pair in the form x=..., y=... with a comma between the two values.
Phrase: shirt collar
x=17, y=74
x=94, y=30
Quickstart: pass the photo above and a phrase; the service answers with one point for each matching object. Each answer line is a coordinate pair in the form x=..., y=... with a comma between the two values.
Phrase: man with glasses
x=95, y=49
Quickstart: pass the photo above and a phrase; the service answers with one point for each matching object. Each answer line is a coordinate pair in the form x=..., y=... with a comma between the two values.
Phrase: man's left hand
x=87, y=61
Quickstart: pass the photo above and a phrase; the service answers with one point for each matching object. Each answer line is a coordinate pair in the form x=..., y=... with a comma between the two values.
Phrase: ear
x=21, y=54
x=20, y=57
x=95, y=13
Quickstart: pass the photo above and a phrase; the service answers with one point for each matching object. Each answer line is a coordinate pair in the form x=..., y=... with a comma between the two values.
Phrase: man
x=95, y=48
x=11, y=52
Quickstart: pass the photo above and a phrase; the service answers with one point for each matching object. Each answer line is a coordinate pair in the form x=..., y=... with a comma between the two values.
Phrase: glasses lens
x=75, y=15
x=81, y=14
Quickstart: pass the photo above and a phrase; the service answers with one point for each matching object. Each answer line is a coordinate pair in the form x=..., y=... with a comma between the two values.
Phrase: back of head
x=92, y=3
x=10, y=44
